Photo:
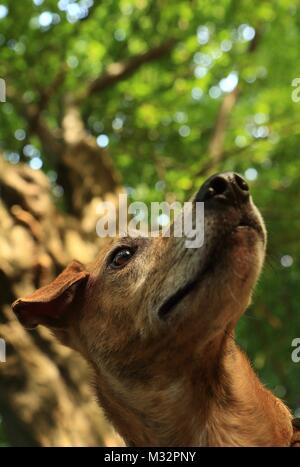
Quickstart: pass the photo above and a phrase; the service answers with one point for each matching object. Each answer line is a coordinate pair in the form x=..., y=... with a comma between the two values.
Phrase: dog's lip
x=174, y=299
x=181, y=293
x=249, y=223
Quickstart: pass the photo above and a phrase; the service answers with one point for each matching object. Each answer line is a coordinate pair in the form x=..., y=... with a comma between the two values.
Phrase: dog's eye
x=121, y=258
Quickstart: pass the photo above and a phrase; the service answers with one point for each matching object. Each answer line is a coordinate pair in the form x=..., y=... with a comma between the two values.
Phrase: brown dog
x=156, y=320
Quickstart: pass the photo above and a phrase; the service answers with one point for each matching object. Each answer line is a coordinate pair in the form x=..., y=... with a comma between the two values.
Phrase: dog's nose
x=229, y=187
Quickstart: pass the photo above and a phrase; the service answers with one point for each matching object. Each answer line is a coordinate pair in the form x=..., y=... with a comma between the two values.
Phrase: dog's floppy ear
x=50, y=304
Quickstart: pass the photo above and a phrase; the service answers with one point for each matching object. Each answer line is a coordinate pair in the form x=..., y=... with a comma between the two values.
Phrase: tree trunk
x=45, y=395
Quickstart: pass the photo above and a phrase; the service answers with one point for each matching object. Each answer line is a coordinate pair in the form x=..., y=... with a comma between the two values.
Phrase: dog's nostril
x=241, y=183
x=210, y=193
x=219, y=185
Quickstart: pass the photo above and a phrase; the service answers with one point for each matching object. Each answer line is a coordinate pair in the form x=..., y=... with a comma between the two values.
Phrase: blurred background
x=150, y=97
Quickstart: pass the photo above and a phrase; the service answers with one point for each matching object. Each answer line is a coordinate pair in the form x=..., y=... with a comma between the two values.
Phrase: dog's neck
x=223, y=404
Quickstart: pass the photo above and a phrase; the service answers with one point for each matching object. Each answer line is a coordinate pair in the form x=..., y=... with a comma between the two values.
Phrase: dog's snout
x=229, y=187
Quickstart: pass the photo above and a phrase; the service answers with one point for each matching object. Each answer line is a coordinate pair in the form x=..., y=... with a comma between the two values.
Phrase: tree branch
x=216, y=146
x=117, y=72
x=50, y=139
x=46, y=94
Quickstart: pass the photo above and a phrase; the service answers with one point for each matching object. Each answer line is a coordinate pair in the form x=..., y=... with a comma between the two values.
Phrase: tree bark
x=45, y=395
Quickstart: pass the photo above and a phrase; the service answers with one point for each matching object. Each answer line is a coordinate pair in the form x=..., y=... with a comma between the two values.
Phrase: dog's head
x=145, y=299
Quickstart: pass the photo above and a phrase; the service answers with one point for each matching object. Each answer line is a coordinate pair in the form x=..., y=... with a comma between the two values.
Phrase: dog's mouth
x=167, y=307
x=246, y=223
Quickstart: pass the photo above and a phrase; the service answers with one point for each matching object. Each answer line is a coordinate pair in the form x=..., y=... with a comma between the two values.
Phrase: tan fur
x=182, y=381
